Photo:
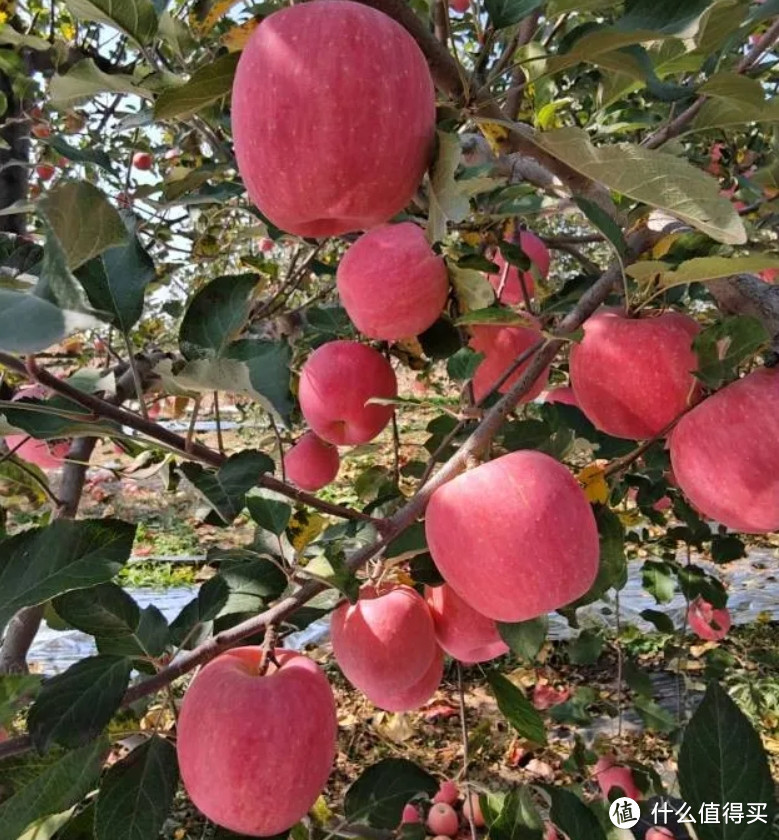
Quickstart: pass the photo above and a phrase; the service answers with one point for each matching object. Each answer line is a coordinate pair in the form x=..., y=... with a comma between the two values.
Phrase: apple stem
x=268, y=647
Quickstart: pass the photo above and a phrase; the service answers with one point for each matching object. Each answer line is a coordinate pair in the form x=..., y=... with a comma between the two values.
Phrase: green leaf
x=270, y=513
x=654, y=716
x=225, y=489
x=329, y=567
x=136, y=793
x=699, y=269
x=525, y=638
x=268, y=364
x=512, y=815
x=462, y=365
x=29, y=324
x=148, y=641
x=216, y=315
x=15, y=691
x=39, y=564
x=380, y=793
x=605, y=224
x=409, y=544
x=83, y=221
x=79, y=155
x=75, y=706
x=505, y=13
x=517, y=709
x=657, y=579
x=55, y=788
x=572, y=816
x=651, y=177
x=47, y=827
x=495, y=315
x=727, y=547
x=722, y=760
x=116, y=281
x=251, y=584
x=85, y=81
x=661, y=621
x=586, y=648
x=56, y=282
x=136, y=18
x=472, y=289
x=723, y=347
x=694, y=581
x=208, y=84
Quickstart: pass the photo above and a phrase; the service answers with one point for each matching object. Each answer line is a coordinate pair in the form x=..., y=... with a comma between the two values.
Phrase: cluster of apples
x=442, y=819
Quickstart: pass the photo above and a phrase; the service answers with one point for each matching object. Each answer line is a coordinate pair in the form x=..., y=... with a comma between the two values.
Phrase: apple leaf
x=462, y=365
x=75, y=706
x=661, y=621
x=270, y=512
x=40, y=563
x=85, y=80
x=136, y=793
x=699, y=269
x=721, y=760
x=29, y=324
x=225, y=489
x=512, y=815
x=208, y=84
x=505, y=13
x=216, y=314
x=525, y=638
x=571, y=815
x=517, y=709
x=15, y=691
x=379, y=795
x=722, y=347
x=47, y=785
x=136, y=18
x=251, y=581
x=83, y=221
x=650, y=177
x=472, y=289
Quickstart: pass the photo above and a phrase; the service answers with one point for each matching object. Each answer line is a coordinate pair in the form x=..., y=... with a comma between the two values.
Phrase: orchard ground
x=583, y=676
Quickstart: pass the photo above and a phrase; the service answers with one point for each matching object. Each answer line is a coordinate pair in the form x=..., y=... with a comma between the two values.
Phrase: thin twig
x=136, y=376
x=464, y=736
x=220, y=444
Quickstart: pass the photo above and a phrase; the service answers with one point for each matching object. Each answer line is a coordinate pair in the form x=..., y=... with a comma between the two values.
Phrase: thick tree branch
x=100, y=408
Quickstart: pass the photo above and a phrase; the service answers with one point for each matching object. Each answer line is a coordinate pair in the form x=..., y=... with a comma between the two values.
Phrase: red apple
x=143, y=161
x=633, y=376
x=515, y=537
x=659, y=833
x=41, y=131
x=442, y=820
x=336, y=383
x=509, y=275
x=270, y=741
x=417, y=695
x=385, y=643
x=563, y=395
x=769, y=275
x=461, y=6
x=448, y=793
x=546, y=696
x=462, y=632
x=472, y=809
x=610, y=775
x=266, y=245
x=45, y=171
x=311, y=463
x=550, y=832
x=391, y=282
x=410, y=815
x=124, y=200
x=725, y=454
x=333, y=114
x=707, y=622
x=501, y=346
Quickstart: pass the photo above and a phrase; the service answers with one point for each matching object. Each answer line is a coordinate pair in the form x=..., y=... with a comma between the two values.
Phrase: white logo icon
x=624, y=812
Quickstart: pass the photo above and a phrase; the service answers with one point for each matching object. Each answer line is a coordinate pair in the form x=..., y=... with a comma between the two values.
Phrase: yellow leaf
x=305, y=527
x=235, y=40
x=495, y=135
x=207, y=13
x=663, y=246
x=471, y=238
x=7, y=9
x=320, y=813
x=594, y=484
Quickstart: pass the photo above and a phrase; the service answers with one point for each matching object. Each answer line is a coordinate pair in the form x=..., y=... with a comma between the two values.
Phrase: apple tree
x=548, y=228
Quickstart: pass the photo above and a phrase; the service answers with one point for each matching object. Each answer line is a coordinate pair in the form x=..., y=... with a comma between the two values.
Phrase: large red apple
x=725, y=454
x=515, y=537
x=391, y=282
x=311, y=463
x=634, y=376
x=707, y=622
x=333, y=116
x=462, y=632
x=508, y=281
x=385, y=643
x=611, y=775
x=336, y=383
x=501, y=346
x=418, y=694
x=255, y=751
